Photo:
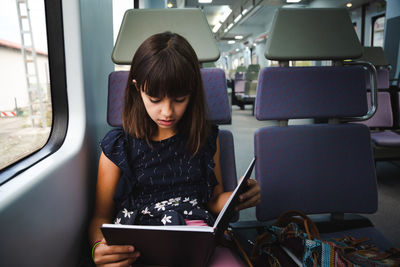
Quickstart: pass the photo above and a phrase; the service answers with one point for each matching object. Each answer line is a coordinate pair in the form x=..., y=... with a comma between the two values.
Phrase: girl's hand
x=105, y=255
x=251, y=197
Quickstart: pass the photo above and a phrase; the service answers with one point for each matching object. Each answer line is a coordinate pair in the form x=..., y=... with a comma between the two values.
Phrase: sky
x=9, y=27
x=119, y=8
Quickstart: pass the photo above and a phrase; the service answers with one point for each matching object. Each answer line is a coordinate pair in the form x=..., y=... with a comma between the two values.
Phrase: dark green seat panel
x=138, y=24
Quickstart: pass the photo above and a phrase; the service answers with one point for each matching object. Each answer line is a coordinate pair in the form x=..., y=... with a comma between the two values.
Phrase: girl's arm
x=248, y=199
x=108, y=177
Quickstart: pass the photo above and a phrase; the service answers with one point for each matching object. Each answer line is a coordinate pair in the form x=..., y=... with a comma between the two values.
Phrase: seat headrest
x=139, y=24
x=214, y=86
x=310, y=92
x=317, y=34
x=375, y=55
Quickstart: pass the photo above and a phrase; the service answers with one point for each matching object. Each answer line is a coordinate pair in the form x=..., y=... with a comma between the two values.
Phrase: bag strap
x=292, y=216
x=240, y=248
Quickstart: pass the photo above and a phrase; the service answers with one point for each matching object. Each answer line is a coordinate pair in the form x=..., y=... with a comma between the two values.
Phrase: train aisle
x=387, y=219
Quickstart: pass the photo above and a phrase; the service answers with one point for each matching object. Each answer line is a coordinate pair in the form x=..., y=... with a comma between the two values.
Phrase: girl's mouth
x=166, y=122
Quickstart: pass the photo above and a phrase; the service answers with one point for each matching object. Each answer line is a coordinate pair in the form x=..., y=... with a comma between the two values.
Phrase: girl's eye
x=155, y=100
x=180, y=99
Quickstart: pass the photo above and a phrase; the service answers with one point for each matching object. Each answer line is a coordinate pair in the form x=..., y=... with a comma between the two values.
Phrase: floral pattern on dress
x=173, y=211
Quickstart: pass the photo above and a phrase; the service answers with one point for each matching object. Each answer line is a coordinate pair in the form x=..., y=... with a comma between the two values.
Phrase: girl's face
x=165, y=112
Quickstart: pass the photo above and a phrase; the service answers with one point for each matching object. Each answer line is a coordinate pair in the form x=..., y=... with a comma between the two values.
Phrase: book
x=177, y=245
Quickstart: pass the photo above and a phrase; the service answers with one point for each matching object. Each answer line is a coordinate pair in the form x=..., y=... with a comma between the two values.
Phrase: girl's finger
x=107, y=250
x=254, y=189
x=131, y=257
x=254, y=201
x=124, y=263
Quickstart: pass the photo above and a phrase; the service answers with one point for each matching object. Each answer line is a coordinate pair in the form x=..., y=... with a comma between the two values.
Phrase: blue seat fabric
x=311, y=92
x=383, y=116
x=296, y=169
x=383, y=79
x=386, y=139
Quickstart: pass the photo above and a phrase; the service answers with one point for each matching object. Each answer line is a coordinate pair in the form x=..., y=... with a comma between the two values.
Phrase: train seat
x=325, y=170
x=383, y=117
x=298, y=164
x=377, y=57
x=240, y=91
x=386, y=142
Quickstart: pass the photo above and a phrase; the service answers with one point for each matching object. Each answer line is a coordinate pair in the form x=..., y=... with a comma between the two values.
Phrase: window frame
x=58, y=89
x=373, y=20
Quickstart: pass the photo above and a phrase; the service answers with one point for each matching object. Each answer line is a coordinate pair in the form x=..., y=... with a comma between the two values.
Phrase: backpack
x=294, y=240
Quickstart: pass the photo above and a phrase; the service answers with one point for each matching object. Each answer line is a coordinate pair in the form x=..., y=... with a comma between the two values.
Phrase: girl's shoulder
x=115, y=137
x=119, y=135
x=118, y=142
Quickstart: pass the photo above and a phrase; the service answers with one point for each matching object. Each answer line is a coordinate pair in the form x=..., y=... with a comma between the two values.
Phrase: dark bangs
x=169, y=75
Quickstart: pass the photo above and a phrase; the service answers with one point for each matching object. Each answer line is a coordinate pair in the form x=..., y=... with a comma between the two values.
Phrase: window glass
x=302, y=63
x=254, y=58
x=119, y=8
x=235, y=63
x=273, y=63
x=378, y=31
x=25, y=102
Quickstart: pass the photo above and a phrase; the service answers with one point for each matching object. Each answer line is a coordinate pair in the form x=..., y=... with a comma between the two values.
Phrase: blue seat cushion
x=386, y=138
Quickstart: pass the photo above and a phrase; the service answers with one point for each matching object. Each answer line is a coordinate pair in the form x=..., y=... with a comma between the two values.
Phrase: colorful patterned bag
x=294, y=240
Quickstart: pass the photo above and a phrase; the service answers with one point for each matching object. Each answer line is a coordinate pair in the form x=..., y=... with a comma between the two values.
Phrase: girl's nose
x=167, y=108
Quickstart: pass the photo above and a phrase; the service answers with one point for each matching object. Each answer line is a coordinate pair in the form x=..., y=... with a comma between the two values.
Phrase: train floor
x=386, y=219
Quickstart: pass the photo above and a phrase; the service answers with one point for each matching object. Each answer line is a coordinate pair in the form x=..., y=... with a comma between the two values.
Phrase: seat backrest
x=219, y=113
x=377, y=57
x=252, y=72
x=316, y=168
x=383, y=117
x=383, y=79
x=240, y=86
x=320, y=168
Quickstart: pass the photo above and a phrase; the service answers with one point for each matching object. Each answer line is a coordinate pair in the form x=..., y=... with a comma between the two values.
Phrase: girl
x=163, y=166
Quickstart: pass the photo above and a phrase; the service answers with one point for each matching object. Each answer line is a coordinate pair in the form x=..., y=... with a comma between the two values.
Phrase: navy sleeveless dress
x=161, y=184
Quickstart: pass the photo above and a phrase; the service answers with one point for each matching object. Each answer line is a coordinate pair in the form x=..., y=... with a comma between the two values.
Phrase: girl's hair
x=165, y=65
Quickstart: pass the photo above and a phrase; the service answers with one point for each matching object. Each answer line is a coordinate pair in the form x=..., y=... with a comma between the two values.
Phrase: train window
x=254, y=59
x=25, y=103
x=274, y=63
x=378, y=26
x=119, y=8
x=235, y=63
x=302, y=63
x=34, y=117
